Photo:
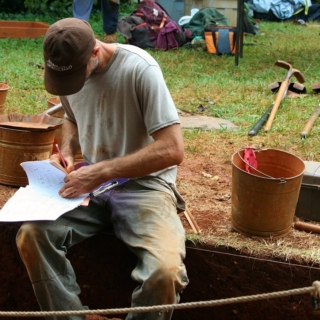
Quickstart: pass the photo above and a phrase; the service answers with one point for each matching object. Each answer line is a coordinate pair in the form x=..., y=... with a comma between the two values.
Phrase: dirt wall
x=103, y=266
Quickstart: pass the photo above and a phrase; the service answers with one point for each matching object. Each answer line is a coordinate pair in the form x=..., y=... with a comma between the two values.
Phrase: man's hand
x=69, y=161
x=167, y=150
x=81, y=181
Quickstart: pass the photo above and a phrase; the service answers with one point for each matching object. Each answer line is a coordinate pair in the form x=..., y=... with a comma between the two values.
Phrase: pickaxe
x=283, y=89
x=274, y=87
x=307, y=128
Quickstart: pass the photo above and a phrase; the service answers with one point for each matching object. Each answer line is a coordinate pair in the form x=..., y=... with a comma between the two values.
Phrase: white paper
x=39, y=200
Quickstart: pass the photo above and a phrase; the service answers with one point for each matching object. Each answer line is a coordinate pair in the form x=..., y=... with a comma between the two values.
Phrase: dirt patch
x=206, y=183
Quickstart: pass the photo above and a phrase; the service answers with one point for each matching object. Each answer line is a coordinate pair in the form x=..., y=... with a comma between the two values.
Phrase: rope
x=314, y=291
x=254, y=258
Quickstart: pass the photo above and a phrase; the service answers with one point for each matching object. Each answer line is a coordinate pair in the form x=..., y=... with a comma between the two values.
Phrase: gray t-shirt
x=119, y=107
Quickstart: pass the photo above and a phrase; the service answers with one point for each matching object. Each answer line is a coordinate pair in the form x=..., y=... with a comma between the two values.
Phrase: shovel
x=308, y=126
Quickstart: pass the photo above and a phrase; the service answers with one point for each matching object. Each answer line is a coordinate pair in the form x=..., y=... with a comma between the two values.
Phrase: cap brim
x=64, y=85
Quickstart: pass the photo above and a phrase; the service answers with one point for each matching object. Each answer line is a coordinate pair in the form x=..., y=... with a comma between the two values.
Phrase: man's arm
x=70, y=144
x=166, y=150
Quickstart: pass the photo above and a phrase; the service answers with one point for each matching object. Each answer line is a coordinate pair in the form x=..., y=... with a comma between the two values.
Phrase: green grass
x=237, y=93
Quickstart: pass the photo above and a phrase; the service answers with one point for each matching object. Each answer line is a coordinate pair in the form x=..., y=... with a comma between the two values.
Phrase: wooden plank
x=22, y=29
x=192, y=222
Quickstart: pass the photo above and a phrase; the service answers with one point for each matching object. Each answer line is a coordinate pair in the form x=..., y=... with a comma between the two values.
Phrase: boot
x=110, y=38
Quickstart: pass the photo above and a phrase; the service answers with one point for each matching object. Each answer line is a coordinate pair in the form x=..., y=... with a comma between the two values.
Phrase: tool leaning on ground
x=283, y=89
x=308, y=126
x=306, y=226
x=274, y=87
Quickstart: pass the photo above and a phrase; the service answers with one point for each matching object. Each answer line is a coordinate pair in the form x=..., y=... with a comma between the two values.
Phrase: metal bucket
x=264, y=200
x=17, y=146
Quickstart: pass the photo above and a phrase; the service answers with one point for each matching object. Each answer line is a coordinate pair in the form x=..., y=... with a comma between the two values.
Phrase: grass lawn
x=237, y=93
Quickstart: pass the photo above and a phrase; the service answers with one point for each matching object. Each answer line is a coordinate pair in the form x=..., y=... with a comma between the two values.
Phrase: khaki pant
x=145, y=220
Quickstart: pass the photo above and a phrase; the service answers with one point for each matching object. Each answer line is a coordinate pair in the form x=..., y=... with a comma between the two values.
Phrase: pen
x=104, y=188
x=61, y=156
x=108, y=185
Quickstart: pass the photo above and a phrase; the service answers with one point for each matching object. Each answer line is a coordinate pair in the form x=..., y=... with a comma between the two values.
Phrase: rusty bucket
x=3, y=95
x=264, y=199
x=24, y=138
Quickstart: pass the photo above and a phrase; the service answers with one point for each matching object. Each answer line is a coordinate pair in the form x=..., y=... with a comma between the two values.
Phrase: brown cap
x=68, y=45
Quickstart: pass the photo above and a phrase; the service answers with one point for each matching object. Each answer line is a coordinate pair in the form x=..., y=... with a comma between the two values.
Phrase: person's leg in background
x=82, y=9
x=110, y=16
x=313, y=13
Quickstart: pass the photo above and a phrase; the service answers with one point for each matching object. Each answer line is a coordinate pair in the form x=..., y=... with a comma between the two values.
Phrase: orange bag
x=220, y=39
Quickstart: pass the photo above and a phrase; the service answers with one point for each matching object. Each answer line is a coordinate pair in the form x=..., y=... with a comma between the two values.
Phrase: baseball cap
x=68, y=45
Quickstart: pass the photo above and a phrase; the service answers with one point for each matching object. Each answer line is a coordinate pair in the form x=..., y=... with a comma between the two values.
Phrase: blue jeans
x=145, y=220
x=109, y=9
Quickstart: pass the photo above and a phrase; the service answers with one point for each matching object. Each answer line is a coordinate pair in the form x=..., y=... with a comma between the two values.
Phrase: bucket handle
x=280, y=180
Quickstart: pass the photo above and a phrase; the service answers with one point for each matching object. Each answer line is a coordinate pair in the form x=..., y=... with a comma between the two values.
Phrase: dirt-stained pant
x=145, y=220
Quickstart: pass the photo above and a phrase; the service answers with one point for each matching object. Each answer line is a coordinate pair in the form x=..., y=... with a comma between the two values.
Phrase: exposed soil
x=221, y=263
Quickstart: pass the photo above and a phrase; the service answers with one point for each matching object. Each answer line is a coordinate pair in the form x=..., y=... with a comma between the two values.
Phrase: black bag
x=220, y=39
x=150, y=26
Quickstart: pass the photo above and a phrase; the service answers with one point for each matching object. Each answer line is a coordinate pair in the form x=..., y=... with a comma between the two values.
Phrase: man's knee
x=26, y=236
x=23, y=234
x=170, y=275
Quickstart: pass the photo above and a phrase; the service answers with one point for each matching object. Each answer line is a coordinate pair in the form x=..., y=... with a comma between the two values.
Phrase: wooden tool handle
x=306, y=226
x=281, y=94
x=307, y=128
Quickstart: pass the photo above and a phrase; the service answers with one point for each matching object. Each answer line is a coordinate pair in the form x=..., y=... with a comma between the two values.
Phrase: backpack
x=220, y=39
x=150, y=26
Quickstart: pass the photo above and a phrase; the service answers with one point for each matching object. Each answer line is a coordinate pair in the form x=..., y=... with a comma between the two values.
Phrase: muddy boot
x=110, y=38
